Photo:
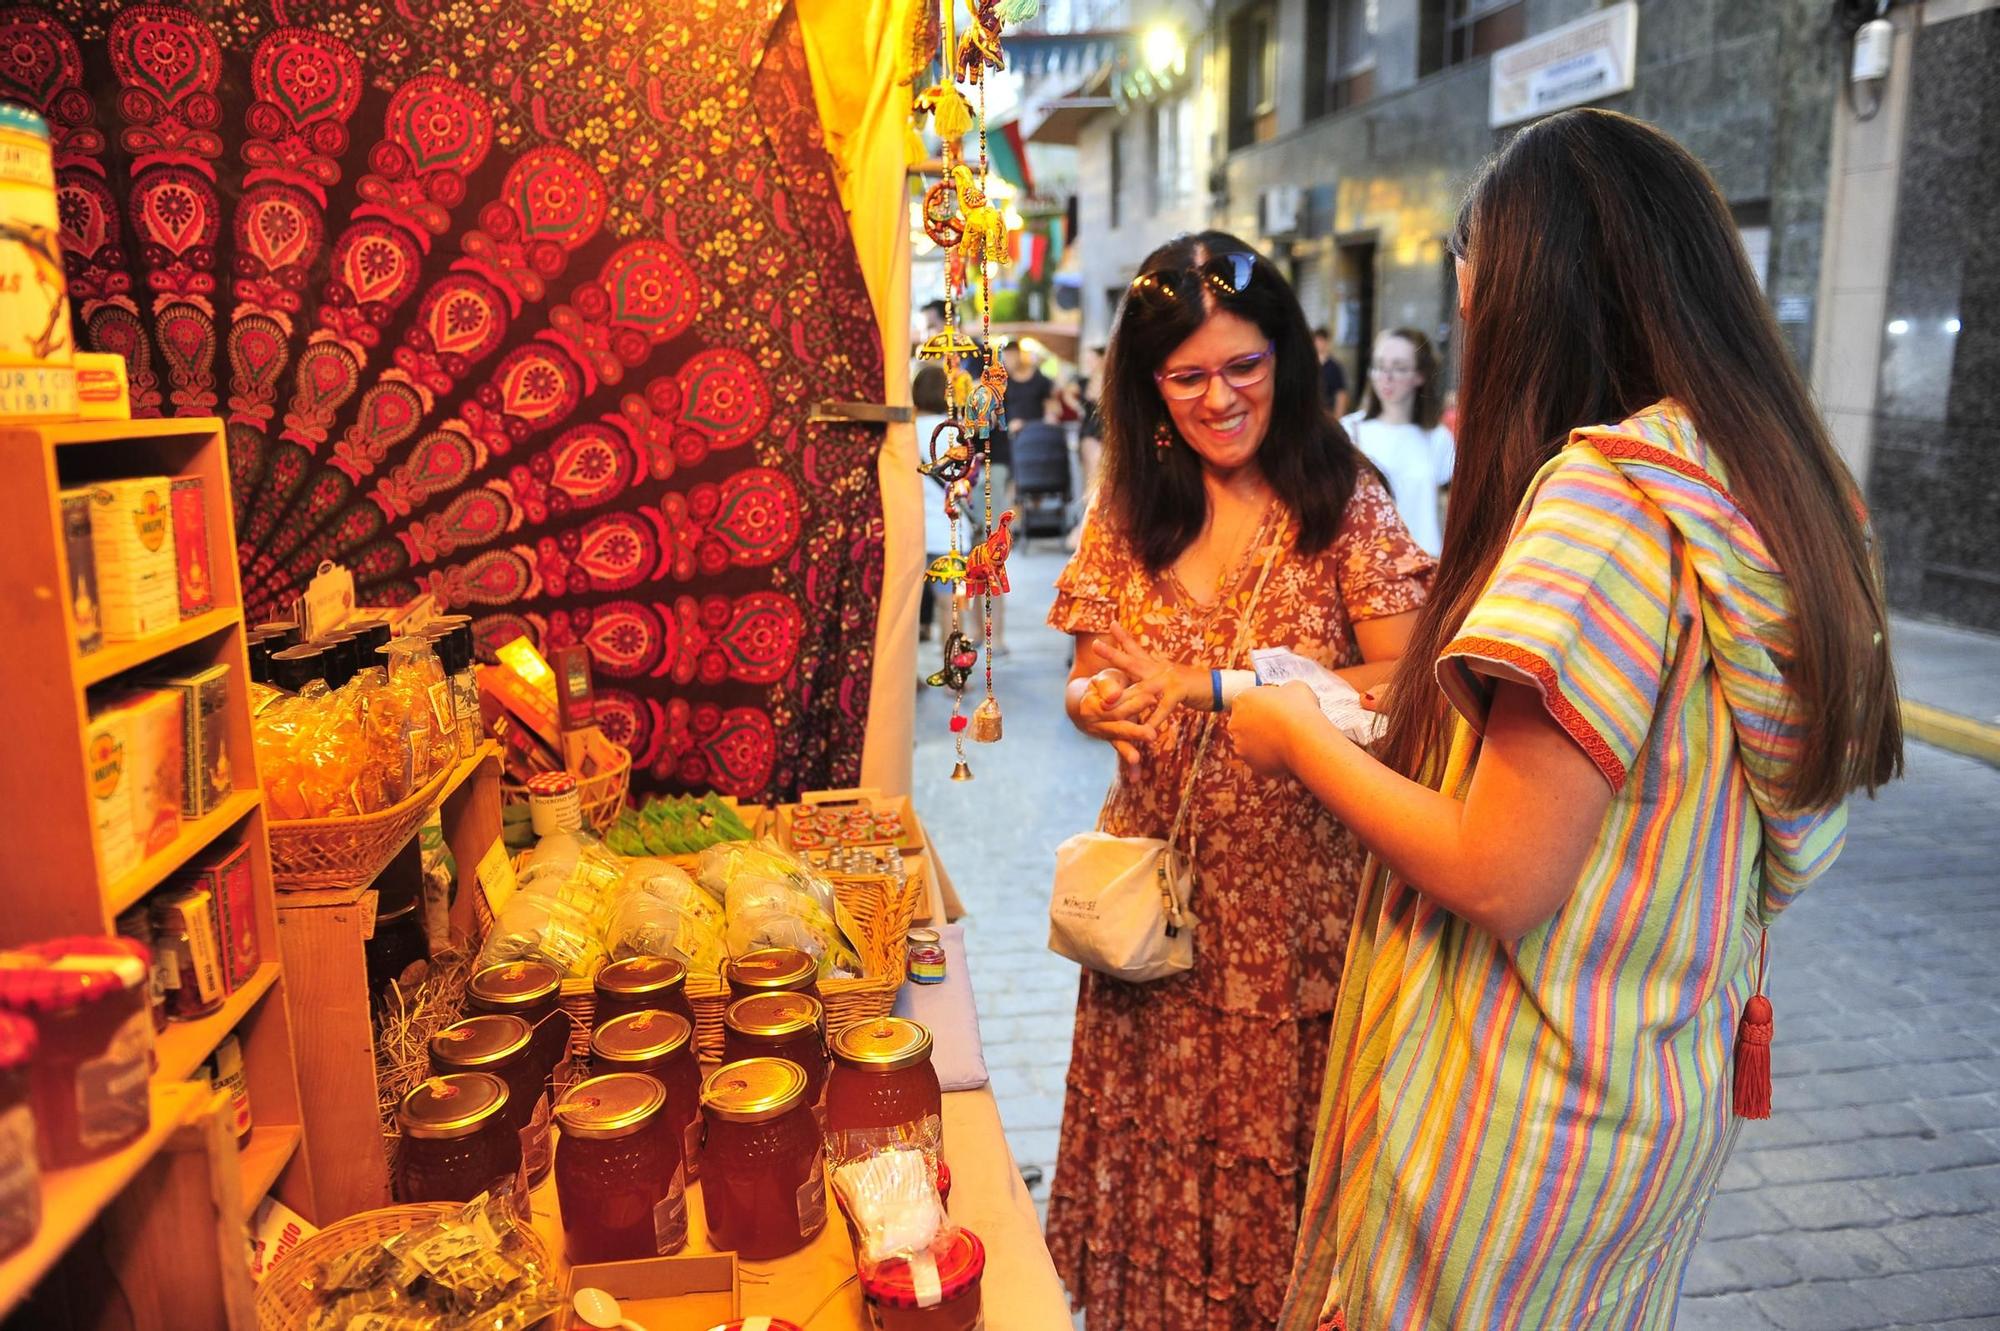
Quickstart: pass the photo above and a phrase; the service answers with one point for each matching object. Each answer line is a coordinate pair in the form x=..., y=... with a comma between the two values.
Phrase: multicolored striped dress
x=1527, y=1134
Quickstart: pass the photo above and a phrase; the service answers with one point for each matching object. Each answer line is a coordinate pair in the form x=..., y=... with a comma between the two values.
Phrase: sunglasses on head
x=1226, y=274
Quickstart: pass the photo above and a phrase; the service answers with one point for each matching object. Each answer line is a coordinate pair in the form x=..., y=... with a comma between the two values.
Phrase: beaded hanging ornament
x=960, y=219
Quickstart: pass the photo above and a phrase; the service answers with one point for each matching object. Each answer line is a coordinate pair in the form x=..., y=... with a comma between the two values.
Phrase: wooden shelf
x=72, y=1198
x=115, y=658
x=264, y=1157
x=195, y=837
x=118, y=432
x=184, y=1044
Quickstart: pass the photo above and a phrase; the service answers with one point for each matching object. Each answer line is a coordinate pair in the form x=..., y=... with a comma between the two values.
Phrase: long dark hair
x=1607, y=275
x=1429, y=400
x=1158, y=498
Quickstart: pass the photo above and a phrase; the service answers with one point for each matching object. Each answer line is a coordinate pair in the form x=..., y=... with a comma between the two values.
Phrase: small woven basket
x=602, y=796
x=283, y=1302
x=337, y=853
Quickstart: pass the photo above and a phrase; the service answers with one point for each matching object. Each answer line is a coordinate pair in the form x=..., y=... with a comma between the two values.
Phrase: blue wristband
x=1215, y=684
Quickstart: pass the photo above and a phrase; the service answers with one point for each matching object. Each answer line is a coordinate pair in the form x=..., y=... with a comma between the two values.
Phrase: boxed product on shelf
x=194, y=575
x=206, y=780
x=83, y=611
x=229, y=885
x=132, y=749
x=184, y=932
x=103, y=390
x=132, y=537
x=225, y=1069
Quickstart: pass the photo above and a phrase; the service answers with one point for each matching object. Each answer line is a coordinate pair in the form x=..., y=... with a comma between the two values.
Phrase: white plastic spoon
x=598, y=1308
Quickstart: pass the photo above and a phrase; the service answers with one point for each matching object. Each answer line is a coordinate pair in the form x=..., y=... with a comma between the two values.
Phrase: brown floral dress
x=1187, y=1129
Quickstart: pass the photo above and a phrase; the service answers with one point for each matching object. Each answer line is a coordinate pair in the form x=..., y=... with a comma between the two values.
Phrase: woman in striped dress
x=1651, y=670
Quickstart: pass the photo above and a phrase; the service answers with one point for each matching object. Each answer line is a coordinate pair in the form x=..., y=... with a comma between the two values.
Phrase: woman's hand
x=1162, y=685
x=1105, y=712
x=1266, y=722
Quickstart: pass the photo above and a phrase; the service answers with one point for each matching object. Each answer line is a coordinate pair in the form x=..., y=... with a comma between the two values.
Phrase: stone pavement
x=1870, y=1200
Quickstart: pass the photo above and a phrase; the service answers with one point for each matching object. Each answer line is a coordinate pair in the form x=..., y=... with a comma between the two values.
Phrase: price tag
x=495, y=872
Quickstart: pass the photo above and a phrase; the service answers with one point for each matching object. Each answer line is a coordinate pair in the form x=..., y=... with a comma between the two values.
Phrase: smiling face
x=1225, y=426
x=1393, y=371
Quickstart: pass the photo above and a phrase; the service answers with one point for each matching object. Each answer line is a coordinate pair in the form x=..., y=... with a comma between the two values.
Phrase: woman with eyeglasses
x=1188, y=1120
x=1397, y=429
x=1653, y=667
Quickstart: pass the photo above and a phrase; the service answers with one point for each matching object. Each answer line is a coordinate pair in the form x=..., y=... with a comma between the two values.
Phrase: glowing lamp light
x=1898, y=327
x=1161, y=47
x=1951, y=326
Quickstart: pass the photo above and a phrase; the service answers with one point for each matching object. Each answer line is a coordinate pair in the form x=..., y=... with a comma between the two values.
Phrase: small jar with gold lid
x=503, y=1046
x=882, y=1090
x=532, y=991
x=619, y=1179
x=641, y=984
x=456, y=1140
x=772, y=970
x=763, y=1189
x=660, y=1044
x=779, y=1025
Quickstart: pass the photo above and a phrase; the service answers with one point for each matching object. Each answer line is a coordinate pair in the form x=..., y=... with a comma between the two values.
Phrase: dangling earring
x=1163, y=439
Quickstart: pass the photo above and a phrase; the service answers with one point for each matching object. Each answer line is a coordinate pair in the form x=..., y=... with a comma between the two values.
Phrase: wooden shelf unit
x=168, y=1213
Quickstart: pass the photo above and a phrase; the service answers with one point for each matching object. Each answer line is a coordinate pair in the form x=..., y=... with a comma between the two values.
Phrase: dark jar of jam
x=20, y=1177
x=882, y=1090
x=503, y=1047
x=660, y=1044
x=532, y=991
x=641, y=984
x=779, y=1025
x=897, y=1301
x=763, y=1188
x=93, y=1056
x=618, y=1171
x=457, y=1142
x=772, y=970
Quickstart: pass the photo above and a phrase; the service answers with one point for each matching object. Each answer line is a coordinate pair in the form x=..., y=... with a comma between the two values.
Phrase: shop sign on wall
x=1582, y=61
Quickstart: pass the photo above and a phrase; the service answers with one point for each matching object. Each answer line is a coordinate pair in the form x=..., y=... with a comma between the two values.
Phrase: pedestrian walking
x=1398, y=430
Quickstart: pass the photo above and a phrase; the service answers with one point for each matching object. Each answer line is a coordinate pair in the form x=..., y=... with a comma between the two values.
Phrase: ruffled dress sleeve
x=1382, y=570
x=1092, y=589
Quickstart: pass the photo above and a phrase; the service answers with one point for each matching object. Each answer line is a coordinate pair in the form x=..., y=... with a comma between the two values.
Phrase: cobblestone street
x=1870, y=1199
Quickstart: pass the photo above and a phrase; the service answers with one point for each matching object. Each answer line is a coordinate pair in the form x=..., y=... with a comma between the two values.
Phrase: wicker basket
x=284, y=1304
x=602, y=796
x=310, y=853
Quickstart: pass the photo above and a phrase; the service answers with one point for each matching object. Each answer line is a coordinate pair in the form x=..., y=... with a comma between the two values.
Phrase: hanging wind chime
x=963, y=222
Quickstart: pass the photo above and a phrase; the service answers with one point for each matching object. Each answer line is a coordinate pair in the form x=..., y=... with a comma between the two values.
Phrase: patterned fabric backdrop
x=519, y=302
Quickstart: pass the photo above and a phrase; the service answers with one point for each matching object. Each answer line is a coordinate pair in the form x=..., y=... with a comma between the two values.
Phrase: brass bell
x=986, y=722
x=961, y=772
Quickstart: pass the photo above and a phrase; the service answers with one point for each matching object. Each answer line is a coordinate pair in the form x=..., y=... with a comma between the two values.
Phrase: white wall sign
x=1582, y=61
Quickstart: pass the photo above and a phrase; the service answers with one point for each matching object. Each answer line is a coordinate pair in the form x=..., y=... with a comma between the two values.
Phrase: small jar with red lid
x=660, y=1044
x=779, y=1025
x=619, y=1178
x=898, y=1301
x=532, y=991
x=90, y=1075
x=20, y=1177
x=641, y=984
x=456, y=1141
x=503, y=1046
x=763, y=1188
x=772, y=970
x=756, y=1324
x=882, y=1090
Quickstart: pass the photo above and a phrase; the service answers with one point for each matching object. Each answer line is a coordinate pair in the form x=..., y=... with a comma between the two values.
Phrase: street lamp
x=1162, y=48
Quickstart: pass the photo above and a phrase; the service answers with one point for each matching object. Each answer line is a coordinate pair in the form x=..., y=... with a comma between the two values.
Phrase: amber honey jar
x=660, y=1044
x=898, y=1299
x=641, y=984
x=882, y=1090
x=763, y=1190
x=779, y=1025
x=532, y=991
x=503, y=1046
x=772, y=970
x=457, y=1141
x=619, y=1178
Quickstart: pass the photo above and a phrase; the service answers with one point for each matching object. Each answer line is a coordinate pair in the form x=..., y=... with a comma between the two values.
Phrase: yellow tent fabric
x=855, y=51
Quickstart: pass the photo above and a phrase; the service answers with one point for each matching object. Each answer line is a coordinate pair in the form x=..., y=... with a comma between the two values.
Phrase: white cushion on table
x=948, y=1011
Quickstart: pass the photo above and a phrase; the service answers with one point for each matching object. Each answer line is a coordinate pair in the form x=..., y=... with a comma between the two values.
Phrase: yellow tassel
x=914, y=151
x=951, y=116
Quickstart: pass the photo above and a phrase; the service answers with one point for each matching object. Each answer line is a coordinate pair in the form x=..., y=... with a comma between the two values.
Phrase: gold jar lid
x=775, y=1016
x=640, y=1037
x=516, y=984
x=882, y=1044
x=752, y=1090
x=478, y=1042
x=636, y=977
x=617, y=1104
x=923, y=936
x=781, y=968
x=454, y=1105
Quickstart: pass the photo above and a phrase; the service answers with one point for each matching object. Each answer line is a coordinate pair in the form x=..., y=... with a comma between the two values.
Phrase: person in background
x=1089, y=432
x=1188, y=1119
x=1398, y=430
x=1332, y=379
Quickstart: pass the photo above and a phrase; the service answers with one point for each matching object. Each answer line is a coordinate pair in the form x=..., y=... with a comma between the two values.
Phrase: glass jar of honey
x=619, y=1178
x=503, y=1046
x=898, y=1301
x=457, y=1142
x=779, y=1025
x=882, y=1090
x=532, y=991
x=660, y=1044
x=763, y=1188
x=772, y=970
x=641, y=984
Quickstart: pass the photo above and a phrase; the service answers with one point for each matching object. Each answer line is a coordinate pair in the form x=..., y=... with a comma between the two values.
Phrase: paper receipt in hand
x=1339, y=701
